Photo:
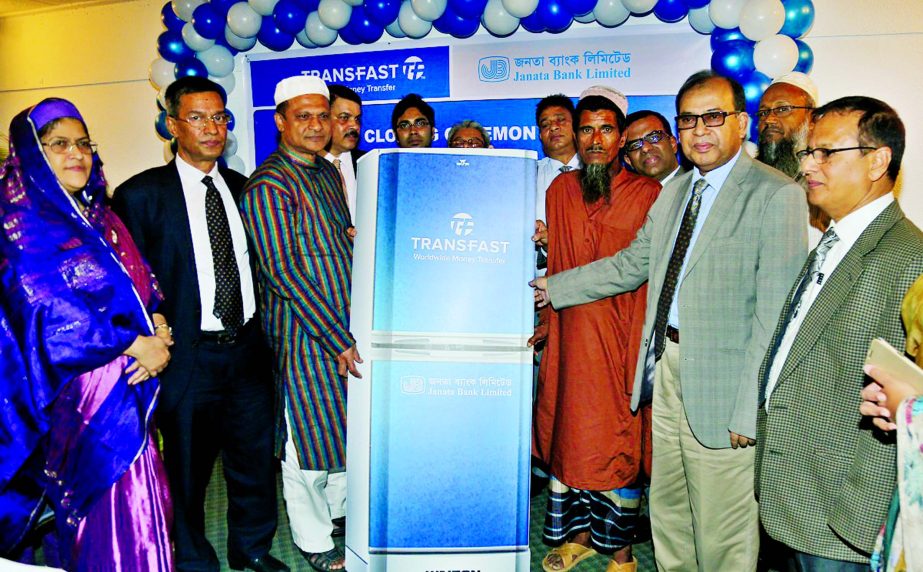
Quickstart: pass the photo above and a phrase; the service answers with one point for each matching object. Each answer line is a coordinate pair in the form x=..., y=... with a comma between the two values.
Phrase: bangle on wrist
x=163, y=325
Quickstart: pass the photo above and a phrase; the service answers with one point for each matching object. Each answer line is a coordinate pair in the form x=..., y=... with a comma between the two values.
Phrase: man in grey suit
x=719, y=250
x=825, y=476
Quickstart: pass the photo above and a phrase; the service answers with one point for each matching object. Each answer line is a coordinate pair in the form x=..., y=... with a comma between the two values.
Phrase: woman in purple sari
x=78, y=348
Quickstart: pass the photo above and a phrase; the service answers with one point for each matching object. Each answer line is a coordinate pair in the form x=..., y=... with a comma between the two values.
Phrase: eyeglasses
x=63, y=146
x=781, y=111
x=821, y=155
x=421, y=123
x=710, y=119
x=653, y=138
x=458, y=142
x=200, y=121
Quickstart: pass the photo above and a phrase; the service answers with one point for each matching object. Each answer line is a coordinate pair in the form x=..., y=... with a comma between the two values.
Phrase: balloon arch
x=752, y=41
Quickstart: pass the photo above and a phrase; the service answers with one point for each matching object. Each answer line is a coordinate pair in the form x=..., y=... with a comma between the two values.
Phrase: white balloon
x=263, y=7
x=317, y=32
x=230, y=146
x=586, y=18
x=639, y=6
x=761, y=19
x=227, y=82
x=411, y=24
x=238, y=43
x=184, y=8
x=726, y=13
x=775, y=56
x=394, y=28
x=354, y=2
x=236, y=163
x=167, y=151
x=520, y=8
x=303, y=39
x=162, y=96
x=194, y=40
x=611, y=13
x=243, y=21
x=161, y=73
x=334, y=13
x=700, y=20
x=218, y=60
x=496, y=19
x=428, y=10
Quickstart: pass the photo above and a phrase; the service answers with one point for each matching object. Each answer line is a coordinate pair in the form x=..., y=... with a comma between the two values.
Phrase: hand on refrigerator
x=542, y=297
x=346, y=363
x=351, y=232
x=541, y=234
x=541, y=332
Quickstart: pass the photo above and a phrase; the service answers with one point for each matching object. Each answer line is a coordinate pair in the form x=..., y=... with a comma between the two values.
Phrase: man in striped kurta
x=296, y=214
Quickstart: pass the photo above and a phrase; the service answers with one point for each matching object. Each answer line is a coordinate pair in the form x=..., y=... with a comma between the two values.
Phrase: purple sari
x=74, y=295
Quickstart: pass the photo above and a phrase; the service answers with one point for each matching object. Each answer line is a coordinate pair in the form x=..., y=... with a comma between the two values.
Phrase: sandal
x=570, y=554
x=625, y=567
x=325, y=561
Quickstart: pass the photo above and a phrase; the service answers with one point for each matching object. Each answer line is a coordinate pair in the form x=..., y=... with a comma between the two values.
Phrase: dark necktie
x=812, y=274
x=229, y=305
x=566, y=168
x=675, y=265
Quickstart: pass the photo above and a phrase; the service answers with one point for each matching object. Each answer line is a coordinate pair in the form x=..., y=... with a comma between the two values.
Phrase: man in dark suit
x=218, y=396
x=346, y=133
x=824, y=476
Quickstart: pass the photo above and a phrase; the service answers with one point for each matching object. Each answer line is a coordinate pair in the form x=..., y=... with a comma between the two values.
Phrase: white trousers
x=312, y=499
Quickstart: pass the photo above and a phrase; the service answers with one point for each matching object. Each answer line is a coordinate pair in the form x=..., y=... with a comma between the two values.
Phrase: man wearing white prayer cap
x=784, y=119
x=296, y=214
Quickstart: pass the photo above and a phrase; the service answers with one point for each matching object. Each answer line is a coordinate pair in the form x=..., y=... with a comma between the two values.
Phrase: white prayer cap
x=801, y=81
x=294, y=86
x=613, y=95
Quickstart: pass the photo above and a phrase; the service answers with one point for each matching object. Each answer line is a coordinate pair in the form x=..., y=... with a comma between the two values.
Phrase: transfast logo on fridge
x=461, y=224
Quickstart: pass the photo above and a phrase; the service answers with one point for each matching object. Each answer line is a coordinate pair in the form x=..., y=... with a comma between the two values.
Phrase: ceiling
x=20, y=7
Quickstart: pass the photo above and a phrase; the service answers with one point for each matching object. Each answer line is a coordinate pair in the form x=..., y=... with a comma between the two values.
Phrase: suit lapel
x=721, y=210
x=838, y=288
x=675, y=215
x=174, y=205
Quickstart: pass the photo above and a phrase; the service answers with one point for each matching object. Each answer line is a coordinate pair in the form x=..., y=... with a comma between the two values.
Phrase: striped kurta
x=296, y=215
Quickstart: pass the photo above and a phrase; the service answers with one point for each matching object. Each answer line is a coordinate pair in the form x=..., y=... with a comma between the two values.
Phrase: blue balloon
x=190, y=67
x=169, y=18
x=469, y=9
x=693, y=4
x=754, y=86
x=289, y=16
x=733, y=59
x=362, y=27
x=382, y=12
x=160, y=124
x=272, y=37
x=208, y=22
x=799, y=17
x=533, y=22
x=670, y=10
x=231, y=120
x=349, y=35
x=721, y=35
x=311, y=5
x=579, y=7
x=452, y=23
x=805, y=57
x=171, y=47
x=222, y=6
x=554, y=17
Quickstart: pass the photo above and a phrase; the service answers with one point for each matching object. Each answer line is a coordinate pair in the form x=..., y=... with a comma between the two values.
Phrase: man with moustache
x=784, y=118
x=217, y=396
x=719, y=250
x=584, y=429
x=295, y=212
x=413, y=121
x=825, y=478
x=650, y=147
x=343, y=150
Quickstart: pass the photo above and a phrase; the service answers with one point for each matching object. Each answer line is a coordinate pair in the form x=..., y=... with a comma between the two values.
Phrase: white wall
x=99, y=56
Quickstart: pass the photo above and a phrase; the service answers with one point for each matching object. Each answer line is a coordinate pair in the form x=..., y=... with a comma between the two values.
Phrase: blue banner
x=375, y=75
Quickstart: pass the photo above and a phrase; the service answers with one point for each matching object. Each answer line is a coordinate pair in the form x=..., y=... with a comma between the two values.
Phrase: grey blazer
x=747, y=255
x=823, y=475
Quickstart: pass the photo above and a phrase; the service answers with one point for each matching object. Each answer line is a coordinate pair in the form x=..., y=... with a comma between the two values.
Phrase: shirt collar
x=189, y=173
x=298, y=159
x=851, y=226
x=717, y=177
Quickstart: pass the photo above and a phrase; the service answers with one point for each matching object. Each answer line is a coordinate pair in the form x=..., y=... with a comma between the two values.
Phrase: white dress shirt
x=194, y=192
x=349, y=176
x=716, y=179
x=848, y=229
x=548, y=169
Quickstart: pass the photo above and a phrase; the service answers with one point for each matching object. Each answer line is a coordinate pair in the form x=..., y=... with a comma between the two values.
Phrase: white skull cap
x=292, y=87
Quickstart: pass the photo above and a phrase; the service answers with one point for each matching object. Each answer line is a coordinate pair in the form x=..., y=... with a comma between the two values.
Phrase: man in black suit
x=218, y=396
x=346, y=111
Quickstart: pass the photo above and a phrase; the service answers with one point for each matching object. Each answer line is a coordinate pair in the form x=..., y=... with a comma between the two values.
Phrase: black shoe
x=339, y=527
x=265, y=563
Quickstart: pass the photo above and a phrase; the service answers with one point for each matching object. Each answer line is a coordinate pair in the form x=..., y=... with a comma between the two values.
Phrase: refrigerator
x=439, y=426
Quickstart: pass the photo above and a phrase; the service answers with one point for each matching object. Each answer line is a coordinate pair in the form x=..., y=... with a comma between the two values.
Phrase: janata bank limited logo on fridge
x=462, y=224
x=412, y=384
